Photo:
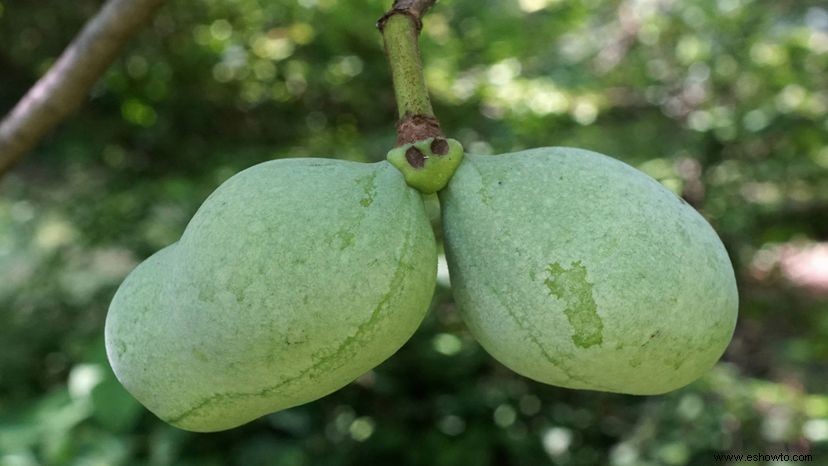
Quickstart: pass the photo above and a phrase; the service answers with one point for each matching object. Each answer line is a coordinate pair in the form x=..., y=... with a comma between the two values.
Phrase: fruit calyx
x=427, y=164
x=425, y=157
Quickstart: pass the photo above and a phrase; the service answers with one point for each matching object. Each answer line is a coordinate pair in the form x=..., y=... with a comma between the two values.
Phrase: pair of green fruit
x=298, y=275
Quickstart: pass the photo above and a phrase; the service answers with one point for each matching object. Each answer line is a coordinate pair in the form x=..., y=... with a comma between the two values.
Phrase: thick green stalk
x=401, y=34
x=400, y=29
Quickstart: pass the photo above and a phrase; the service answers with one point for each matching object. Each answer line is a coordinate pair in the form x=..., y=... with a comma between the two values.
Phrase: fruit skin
x=293, y=278
x=577, y=270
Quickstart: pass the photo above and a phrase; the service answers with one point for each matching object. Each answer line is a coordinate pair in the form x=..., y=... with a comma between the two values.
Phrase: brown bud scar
x=415, y=158
x=439, y=146
x=413, y=128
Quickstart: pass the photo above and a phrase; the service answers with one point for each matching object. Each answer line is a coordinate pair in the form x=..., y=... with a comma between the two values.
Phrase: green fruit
x=295, y=277
x=428, y=164
x=577, y=270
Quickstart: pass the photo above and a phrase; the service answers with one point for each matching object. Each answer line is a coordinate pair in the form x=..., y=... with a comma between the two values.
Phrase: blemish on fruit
x=485, y=197
x=295, y=336
x=678, y=363
x=346, y=238
x=650, y=338
x=521, y=319
x=571, y=286
x=121, y=348
x=369, y=188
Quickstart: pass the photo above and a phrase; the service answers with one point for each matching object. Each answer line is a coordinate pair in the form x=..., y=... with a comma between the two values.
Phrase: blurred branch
x=65, y=86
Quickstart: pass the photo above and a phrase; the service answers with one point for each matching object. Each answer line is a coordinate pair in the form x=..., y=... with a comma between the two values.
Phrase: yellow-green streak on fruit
x=572, y=287
x=577, y=270
x=292, y=279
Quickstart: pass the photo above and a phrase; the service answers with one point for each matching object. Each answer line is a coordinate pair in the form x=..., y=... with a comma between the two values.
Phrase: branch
x=65, y=86
x=400, y=28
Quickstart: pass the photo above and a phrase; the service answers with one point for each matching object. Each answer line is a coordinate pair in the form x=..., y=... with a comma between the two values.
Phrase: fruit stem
x=400, y=28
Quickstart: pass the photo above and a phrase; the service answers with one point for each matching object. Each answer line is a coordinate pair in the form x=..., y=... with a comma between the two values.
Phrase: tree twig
x=400, y=28
x=65, y=86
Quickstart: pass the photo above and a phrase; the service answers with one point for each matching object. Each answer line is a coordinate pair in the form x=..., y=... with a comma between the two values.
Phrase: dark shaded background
x=725, y=102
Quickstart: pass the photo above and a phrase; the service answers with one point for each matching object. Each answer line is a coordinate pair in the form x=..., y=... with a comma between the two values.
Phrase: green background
x=725, y=102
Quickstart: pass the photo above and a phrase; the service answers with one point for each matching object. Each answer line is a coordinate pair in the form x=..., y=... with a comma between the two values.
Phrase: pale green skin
x=294, y=278
x=577, y=270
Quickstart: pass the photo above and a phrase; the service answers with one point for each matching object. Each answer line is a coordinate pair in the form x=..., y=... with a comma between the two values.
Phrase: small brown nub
x=439, y=146
x=415, y=158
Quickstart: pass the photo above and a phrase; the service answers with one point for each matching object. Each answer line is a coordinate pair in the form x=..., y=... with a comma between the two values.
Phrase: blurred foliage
x=724, y=101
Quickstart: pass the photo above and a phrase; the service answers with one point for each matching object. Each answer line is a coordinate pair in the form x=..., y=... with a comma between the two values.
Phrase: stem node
x=400, y=28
